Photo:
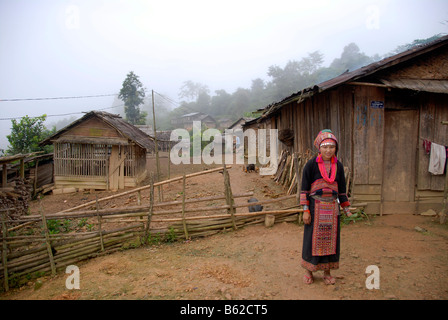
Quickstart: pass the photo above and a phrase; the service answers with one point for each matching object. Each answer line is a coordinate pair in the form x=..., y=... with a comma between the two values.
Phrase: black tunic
x=321, y=238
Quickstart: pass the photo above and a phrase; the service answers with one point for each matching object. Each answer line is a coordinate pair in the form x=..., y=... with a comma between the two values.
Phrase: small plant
x=82, y=222
x=53, y=226
x=355, y=217
x=154, y=239
x=170, y=237
x=66, y=225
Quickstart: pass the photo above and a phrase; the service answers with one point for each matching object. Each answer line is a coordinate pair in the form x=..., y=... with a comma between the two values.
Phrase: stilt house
x=384, y=115
x=99, y=151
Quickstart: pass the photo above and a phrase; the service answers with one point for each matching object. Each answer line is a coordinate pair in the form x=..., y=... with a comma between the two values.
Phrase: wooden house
x=99, y=151
x=186, y=121
x=382, y=114
x=238, y=124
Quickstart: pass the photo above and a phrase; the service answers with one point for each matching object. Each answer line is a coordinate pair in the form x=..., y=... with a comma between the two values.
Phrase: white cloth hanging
x=437, y=159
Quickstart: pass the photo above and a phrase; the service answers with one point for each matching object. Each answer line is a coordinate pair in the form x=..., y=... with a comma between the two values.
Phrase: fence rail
x=29, y=244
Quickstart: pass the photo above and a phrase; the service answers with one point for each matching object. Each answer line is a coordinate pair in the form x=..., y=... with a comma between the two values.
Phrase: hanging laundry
x=437, y=159
x=427, y=146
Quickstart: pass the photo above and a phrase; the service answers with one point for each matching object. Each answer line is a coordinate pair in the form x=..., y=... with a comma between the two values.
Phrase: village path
x=262, y=263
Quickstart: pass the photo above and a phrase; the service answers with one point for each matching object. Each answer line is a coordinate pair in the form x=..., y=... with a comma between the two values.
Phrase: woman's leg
x=308, y=277
x=328, y=279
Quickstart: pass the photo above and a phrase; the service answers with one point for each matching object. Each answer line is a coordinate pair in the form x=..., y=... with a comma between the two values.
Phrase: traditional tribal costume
x=323, y=184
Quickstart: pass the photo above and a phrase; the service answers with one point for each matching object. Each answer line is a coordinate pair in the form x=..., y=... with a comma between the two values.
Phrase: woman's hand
x=306, y=217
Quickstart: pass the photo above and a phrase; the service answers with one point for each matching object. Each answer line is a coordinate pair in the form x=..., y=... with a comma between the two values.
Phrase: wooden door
x=400, y=153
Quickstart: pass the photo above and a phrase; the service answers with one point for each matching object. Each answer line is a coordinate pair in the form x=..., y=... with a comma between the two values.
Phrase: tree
x=295, y=76
x=351, y=59
x=240, y=101
x=414, y=43
x=132, y=94
x=220, y=103
x=192, y=90
x=26, y=135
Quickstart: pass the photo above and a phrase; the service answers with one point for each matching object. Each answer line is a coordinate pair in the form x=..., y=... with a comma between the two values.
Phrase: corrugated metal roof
x=436, y=86
x=364, y=72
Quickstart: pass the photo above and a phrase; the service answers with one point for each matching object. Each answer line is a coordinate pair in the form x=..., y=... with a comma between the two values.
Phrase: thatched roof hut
x=99, y=151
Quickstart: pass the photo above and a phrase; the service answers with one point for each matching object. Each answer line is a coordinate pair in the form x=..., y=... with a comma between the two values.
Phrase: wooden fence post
x=5, y=252
x=299, y=187
x=99, y=224
x=229, y=196
x=47, y=240
x=183, y=210
x=151, y=205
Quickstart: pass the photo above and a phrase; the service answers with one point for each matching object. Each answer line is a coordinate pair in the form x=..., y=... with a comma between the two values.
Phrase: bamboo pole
x=5, y=253
x=169, y=160
x=131, y=209
x=99, y=224
x=141, y=188
x=229, y=198
x=235, y=215
x=47, y=240
x=151, y=204
x=35, y=178
x=156, y=145
x=20, y=226
x=183, y=210
x=138, y=213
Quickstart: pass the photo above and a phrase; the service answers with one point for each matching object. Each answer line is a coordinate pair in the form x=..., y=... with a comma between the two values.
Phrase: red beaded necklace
x=323, y=171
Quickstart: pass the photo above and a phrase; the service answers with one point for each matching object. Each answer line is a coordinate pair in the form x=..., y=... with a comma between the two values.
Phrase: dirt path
x=262, y=263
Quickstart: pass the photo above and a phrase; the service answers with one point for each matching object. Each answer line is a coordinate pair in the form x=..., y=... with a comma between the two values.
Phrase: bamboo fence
x=29, y=246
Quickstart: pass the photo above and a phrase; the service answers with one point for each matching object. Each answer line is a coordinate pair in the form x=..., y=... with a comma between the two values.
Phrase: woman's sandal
x=308, y=279
x=329, y=280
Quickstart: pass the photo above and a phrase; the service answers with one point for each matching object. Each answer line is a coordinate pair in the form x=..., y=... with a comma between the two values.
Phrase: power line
x=65, y=114
x=57, y=98
x=167, y=99
x=80, y=97
x=175, y=102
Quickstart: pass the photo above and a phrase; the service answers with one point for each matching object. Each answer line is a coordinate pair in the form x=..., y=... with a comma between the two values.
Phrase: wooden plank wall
x=93, y=127
x=433, y=110
x=329, y=110
x=368, y=137
x=360, y=128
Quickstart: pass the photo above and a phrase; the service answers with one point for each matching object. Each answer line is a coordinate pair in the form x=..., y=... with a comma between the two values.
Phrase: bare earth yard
x=256, y=262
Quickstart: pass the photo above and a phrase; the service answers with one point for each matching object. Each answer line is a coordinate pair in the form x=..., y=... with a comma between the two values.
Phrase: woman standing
x=323, y=189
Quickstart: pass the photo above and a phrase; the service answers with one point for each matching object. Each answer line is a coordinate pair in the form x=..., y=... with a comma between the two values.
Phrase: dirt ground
x=256, y=262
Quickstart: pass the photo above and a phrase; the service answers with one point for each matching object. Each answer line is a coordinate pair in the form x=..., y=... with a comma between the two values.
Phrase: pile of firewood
x=16, y=197
x=290, y=167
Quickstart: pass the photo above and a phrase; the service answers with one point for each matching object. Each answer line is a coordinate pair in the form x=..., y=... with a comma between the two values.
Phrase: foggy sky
x=79, y=48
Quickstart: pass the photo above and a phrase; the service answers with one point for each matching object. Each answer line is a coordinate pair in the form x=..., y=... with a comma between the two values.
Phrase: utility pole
x=155, y=142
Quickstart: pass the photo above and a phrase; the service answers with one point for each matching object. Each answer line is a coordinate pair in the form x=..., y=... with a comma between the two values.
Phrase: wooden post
x=5, y=252
x=156, y=145
x=47, y=240
x=151, y=205
x=35, y=178
x=445, y=192
x=5, y=176
x=99, y=224
x=22, y=168
x=169, y=160
x=183, y=210
x=298, y=181
x=229, y=196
